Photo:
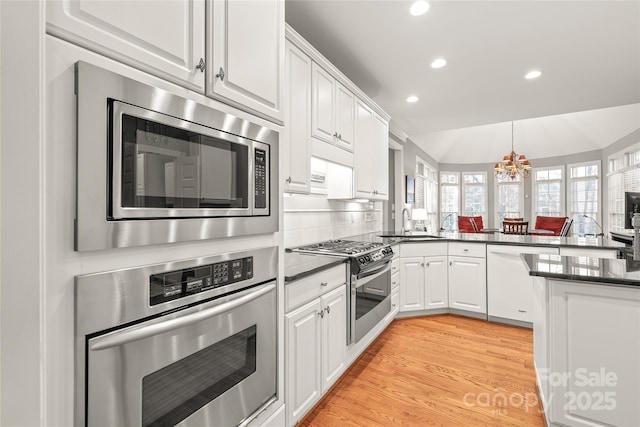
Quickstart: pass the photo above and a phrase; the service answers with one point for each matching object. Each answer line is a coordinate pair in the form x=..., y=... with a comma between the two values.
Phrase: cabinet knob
x=335, y=134
x=466, y=250
x=340, y=136
x=428, y=264
x=201, y=65
x=288, y=180
x=220, y=74
x=450, y=262
x=321, y=313
x=393, y=305
x=422, y=264
x=328, y=309
x=324, y=283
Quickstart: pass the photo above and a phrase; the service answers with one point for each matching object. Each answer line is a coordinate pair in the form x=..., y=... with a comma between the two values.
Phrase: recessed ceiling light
x=533, y=74
x=419, y=7
x=439, y=63
x=412, y=99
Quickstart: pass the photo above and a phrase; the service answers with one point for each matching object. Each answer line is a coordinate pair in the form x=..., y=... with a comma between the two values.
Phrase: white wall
x=309, y=219
x=23, y=271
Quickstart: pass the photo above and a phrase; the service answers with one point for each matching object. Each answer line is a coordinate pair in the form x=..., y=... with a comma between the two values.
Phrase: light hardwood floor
x=437, y=370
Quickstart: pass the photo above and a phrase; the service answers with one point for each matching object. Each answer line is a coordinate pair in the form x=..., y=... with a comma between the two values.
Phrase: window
x=449, y=200
x=509, y=200
x=426, y=204
x=584, y=190
x=624, y=175
x=474, y=194
x=548, y=191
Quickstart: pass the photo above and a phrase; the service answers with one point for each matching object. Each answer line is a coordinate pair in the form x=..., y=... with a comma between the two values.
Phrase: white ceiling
x=588, y=51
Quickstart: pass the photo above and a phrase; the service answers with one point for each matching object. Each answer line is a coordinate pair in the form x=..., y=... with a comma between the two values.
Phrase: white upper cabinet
x=162, y=37
x=371, y=154
x=246, y=51
x=332, y=110
x=297, y=141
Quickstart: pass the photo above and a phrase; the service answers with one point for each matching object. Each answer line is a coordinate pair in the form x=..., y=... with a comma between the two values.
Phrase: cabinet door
x=436, y=283
x=595, y=346
x=411, y=283
x=323, y=101
x=169, y=45
x=364, y=154
x=467, y=284
x=344, y=117
x=303, y=363
x=334, y=335
x=247, y=55
x=297, y=141
x=380, y=148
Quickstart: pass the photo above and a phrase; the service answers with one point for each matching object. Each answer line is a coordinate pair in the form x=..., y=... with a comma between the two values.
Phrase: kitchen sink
x=411, y=235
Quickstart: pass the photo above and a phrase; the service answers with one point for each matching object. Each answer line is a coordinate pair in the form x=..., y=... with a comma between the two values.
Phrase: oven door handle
x=120, y=338
x=377, y=271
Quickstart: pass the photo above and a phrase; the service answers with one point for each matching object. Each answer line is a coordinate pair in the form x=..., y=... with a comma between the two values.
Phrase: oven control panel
x=172, y=285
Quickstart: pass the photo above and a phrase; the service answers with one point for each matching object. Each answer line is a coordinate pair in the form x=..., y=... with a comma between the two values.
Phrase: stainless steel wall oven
x=154, y=167
x=188, y=343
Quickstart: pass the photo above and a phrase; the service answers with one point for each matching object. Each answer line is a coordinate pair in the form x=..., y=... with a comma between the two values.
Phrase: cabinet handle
x=288, y=180
x=328, y=309
x=428, y=264
x=324, y=283
x=321, y=313
x=220, y=74
x=466, y=250
x=422, y=264
x=522, y=311
x=335, y=134
x=201, y=65
x=393, y=305
x=450, y=263
x=394, y=283
x=340, y=136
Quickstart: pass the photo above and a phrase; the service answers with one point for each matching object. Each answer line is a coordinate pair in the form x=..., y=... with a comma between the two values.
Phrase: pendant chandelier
x=513, y=165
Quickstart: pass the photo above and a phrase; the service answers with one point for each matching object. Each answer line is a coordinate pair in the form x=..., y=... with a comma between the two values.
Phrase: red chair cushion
x=553, y=223
x=464, y=224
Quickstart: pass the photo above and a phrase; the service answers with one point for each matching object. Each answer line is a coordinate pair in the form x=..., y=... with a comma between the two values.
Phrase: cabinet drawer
x=395, y=281
x=395, y=266
x=468, y=249
x=423, y=249
x=304, y=290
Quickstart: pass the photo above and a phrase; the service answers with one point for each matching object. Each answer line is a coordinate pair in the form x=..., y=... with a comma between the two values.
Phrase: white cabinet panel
x=411, y=284
x=323, y=118
x=334, y=336
x=595, y=346
x=168, y=44
x=344, y=117
x=297, y=141
x=303, y=338
x=436, y=282
x=247, y=55
x=371, y=154
x=467, y=284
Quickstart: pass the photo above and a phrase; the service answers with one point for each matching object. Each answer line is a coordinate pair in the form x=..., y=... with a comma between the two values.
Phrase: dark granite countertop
x=504, y=239
x=620, y=272
x=298, y=266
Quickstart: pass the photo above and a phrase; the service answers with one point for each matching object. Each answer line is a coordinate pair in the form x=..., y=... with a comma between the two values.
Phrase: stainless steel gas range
x=370, y=279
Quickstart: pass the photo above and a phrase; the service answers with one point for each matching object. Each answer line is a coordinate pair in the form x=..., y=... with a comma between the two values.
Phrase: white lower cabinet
x=468, y=283
x=594, y=354
x=316, y=343
x=509, y=286
x=423, y=276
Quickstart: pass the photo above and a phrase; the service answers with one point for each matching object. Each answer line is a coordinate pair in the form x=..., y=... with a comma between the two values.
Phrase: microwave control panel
x=172, y=285
x=260, y=196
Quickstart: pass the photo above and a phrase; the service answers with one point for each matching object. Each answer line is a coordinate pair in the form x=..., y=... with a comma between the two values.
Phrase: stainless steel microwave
x=154, y=167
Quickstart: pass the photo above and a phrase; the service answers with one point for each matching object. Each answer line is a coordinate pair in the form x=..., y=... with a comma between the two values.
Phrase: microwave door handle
x=120, y=338
x=377, y=271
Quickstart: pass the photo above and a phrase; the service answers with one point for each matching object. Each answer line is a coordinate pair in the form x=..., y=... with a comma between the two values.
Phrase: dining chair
x=566, y=227
x=515, y=227
x=465, y=224
x=551, y=223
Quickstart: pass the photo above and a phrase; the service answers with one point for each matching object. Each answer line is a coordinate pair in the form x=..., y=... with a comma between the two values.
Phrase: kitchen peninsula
x=587, y=339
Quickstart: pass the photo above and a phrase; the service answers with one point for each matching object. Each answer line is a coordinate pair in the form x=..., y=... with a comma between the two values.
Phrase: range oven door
x=370, y=299
x=213, y=364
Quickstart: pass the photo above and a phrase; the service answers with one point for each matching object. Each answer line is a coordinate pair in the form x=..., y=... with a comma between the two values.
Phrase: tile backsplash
x=310, y=219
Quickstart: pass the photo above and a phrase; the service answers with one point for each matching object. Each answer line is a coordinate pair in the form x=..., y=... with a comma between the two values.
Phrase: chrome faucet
x=635, y=222
x=402, y=229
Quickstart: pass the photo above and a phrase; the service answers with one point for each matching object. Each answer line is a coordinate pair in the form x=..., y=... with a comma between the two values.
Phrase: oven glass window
x=167, y=167
x=176, y=391
x=372, y=293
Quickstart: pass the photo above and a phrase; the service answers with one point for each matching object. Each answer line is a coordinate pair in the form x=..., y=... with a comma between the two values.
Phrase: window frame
x=599, y=204
x=484, y=185
x=496, y=198
x=563, y=190
x=444, y=213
